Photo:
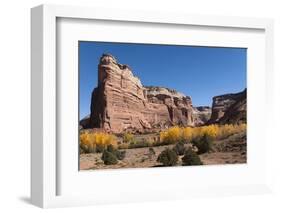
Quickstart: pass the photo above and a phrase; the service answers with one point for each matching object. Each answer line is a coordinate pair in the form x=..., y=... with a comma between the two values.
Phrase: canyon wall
x=121, y=103
x=202, y=114
x=229, y=108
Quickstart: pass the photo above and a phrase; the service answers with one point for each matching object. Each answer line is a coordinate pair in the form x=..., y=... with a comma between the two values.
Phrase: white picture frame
x=46, y=161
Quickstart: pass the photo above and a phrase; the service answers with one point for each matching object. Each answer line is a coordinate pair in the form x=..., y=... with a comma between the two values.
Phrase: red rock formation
x=120, y=102
x=168, y=107
x=229, y=108
x=201, y=115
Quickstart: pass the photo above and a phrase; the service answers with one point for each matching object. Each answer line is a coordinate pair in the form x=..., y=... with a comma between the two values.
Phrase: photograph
x=161, y=105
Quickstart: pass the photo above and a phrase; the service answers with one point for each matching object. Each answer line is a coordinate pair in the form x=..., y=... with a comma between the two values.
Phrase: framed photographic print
x=130, y=106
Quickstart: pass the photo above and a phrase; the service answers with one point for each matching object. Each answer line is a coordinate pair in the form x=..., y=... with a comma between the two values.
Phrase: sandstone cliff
x=229, y=108
x=121, y=103
x=201, y=115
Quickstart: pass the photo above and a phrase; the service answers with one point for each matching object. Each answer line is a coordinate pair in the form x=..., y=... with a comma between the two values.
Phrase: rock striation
x=121, y=103
x=168, y=107
x=229, y=108
x=201, y=114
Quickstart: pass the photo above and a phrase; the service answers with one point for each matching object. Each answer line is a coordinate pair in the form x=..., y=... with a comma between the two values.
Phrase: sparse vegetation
x=111, y=148
x=109, y=158
x=190, y=158
x=168, y=157
x=130, y=142
x=230, y=129
x=187, y=134
x=120, y=155
x=179, y=148
x=171, y=135
x=123, y=146
x=172, y=144
x=96, y=142
x=139, y=144
x=203, y=144
x=128, y=138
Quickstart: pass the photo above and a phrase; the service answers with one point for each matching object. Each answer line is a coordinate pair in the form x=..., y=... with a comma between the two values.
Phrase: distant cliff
x=202, y=114
x=229, y=108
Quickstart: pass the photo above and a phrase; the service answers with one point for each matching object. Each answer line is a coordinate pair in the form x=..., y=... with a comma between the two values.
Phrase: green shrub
x=110, y=148
x=179, y=148
x=100, y=148
x=84, y=149
x=120, y=155
x=203, y=144
x=168, y=157
x=190, y=158
x=109, y=158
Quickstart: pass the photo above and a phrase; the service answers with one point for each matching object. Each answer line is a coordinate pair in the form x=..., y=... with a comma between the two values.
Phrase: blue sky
x=200, y=72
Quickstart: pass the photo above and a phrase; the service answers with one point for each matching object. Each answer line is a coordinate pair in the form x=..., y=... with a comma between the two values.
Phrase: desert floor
x=229, y=151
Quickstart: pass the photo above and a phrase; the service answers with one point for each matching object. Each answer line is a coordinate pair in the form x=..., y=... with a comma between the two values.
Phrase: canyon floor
x=231, y=150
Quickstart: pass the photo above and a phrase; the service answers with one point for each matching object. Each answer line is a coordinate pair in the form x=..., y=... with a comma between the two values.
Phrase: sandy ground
x=135, y=158
x=225, y=152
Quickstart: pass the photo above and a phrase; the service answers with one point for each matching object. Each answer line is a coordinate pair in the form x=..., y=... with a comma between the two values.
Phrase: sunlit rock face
x=120, y=103
x=201, y=114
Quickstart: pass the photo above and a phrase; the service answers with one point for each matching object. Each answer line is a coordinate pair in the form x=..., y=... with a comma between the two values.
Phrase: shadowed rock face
x=229, y=108
x=121, y=103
